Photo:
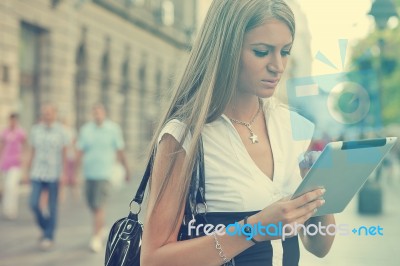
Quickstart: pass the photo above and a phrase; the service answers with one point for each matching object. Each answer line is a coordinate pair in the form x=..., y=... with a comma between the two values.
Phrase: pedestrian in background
x=100, y=142
x=46, y=166
x=71, y=181
x=12, y=140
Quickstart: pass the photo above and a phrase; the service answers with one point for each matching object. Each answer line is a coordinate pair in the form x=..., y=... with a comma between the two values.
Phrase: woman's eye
x=285, y=53
x=261, y=53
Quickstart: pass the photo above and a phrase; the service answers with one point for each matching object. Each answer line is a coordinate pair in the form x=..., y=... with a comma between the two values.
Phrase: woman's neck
x=243, y=107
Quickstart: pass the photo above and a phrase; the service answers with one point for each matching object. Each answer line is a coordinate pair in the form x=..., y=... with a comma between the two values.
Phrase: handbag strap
x=197, y=186
x=143, y=184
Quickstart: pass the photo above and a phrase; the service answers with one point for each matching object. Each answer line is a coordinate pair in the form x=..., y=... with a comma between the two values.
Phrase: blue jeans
x=46, y=222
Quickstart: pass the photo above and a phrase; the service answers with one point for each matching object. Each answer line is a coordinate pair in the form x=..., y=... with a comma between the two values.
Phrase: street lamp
x=382, y=11
x=370, y=196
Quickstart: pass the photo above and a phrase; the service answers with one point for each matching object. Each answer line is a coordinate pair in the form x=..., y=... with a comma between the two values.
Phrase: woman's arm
x=161, y=248
x=28, y=165
x=319, y=245
x=122, y=159
x=1, y=146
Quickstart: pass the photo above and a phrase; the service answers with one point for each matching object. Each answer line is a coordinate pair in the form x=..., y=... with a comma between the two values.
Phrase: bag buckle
x=131, y=207
x=201, y=208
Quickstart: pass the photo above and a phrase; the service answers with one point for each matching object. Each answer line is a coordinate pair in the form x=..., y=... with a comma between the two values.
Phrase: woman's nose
x=276, y=65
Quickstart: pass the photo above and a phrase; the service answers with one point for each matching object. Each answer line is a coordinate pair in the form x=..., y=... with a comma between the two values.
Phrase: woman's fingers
x=307, y=216
x=309, y=209
x=289, y=211
x=306, y=204
x=308, y=197
x=296, y=213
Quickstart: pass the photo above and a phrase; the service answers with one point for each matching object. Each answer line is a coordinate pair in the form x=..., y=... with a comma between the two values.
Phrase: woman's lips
x=270, y=82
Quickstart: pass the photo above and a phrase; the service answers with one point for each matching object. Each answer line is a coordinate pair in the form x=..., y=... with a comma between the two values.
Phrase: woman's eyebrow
x=289, y=45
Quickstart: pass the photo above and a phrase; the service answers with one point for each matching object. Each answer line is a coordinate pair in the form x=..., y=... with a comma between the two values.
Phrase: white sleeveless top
x=233, y=182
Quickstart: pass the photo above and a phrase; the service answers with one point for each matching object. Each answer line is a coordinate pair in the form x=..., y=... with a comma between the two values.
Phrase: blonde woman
x=226, y=96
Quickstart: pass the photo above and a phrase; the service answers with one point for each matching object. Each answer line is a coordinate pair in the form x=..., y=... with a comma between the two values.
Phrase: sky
x=331, y=20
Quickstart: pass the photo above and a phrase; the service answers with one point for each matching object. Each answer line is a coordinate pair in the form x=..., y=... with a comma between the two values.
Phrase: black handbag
x=125, y=237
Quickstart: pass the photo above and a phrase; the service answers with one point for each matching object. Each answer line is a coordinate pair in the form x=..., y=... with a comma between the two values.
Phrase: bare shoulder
x=169, y=158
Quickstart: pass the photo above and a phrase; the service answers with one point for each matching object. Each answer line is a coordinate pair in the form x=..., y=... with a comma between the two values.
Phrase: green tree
x=389, y=66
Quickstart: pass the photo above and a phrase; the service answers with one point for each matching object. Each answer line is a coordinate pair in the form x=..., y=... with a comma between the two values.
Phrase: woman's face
x=264, y=57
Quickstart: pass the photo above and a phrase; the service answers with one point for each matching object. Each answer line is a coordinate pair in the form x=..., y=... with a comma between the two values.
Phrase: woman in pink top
x=12, y=141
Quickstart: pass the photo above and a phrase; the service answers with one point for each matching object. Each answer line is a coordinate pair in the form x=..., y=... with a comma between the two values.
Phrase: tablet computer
x=342, y=169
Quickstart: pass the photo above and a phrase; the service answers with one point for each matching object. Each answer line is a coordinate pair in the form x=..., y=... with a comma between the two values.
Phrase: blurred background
x=127, y=54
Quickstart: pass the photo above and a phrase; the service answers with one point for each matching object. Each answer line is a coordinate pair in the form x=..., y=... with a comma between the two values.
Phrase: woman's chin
x=266, y=93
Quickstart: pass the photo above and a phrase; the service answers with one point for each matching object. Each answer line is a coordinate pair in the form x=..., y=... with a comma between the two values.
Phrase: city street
x=85, y=81
x=354, y=250
x=19, y=239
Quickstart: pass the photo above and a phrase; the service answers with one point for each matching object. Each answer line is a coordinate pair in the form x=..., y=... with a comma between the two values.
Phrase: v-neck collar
x=268, y=107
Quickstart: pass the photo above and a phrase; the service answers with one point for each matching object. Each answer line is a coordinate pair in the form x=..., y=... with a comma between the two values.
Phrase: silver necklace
x=253, y=137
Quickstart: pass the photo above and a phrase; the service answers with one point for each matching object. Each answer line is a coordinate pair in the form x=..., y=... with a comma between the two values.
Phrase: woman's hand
x=287, y=211
x=308, y=160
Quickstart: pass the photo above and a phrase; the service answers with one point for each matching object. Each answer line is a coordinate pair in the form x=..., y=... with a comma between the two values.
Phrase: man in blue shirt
x=46, y=166
x=100, y=143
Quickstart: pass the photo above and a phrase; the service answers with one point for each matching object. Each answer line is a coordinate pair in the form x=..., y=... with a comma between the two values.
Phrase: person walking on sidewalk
x=100, y=142
x=46, y=163
x=12, y=140
x=71, y=181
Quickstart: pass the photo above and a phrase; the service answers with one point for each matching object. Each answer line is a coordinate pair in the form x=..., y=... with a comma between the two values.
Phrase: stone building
x=75, y=53
x=123, y=53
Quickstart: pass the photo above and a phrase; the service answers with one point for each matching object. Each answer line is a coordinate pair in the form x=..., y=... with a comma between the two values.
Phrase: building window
x=105, y=75
x=143, y=124
x=5, y=74
x=179, y=12
x=81, y=78
x=125, y=91
x=142, y=81
x=31, y=53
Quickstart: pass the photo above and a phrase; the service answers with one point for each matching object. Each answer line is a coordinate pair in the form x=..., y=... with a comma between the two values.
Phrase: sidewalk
x=19, y=239
x=354, y=250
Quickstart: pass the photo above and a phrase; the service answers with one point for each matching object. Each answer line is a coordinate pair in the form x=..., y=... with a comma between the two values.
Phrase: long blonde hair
x=209, y=80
